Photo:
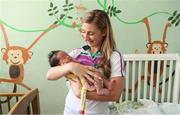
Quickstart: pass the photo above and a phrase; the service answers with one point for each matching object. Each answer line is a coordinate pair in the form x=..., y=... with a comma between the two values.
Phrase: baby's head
x=58, y=57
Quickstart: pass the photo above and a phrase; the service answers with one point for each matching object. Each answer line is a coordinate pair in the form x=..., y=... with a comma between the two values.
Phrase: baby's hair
x=53, y=60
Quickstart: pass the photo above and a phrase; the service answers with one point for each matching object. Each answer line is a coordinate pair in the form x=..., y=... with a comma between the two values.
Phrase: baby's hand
x=111, y=84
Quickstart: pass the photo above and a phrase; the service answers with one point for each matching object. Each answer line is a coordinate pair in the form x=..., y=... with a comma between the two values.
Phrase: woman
x=101, y=51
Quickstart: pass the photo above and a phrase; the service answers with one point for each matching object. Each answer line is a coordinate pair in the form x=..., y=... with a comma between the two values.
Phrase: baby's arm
x=103, y=86
x=109, y=84
x=99, y=87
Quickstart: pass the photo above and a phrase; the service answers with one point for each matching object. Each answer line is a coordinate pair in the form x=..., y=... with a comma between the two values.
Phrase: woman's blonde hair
x=102, y=21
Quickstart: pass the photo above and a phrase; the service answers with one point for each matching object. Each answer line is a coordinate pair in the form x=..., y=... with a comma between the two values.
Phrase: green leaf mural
x=174, y=18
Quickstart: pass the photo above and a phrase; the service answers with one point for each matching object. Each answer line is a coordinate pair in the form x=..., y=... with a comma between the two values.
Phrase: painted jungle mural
x=16, y=56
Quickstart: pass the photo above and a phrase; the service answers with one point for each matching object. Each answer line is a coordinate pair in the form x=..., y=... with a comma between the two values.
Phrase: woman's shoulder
x=116, y=54
x=75, y=52
x=117, y=64
x=79, y=50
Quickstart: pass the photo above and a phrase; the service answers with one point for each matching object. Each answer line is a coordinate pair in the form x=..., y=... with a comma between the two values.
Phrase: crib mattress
x=144, y=106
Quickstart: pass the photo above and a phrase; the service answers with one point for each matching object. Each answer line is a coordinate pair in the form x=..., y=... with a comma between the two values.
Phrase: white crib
x=152, y=85
x=156, y=77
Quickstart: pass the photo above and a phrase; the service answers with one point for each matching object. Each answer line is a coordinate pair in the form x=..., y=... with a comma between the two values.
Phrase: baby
x=59, y=57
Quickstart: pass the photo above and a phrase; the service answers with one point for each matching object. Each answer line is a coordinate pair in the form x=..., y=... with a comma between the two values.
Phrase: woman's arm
x=114, y=95
x=77, y=69
x=115, y=91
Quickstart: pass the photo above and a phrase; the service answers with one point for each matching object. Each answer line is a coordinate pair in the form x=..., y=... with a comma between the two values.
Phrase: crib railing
x=7, y=101
x=28, y=104
x=151, y=76
x=24, y=103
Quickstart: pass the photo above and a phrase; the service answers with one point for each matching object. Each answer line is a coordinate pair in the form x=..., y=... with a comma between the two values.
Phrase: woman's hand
x=84, y=72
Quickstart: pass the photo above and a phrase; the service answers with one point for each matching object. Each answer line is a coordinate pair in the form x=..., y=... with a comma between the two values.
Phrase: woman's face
x=92, y=35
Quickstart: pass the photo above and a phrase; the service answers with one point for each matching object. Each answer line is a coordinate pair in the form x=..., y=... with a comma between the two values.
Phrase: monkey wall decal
x=17, y=56
x=157, y=46
x=154, y=47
